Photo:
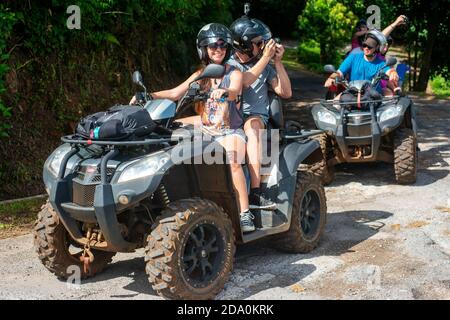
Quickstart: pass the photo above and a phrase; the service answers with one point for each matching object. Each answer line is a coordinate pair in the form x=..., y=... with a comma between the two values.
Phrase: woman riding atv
x=223, y=121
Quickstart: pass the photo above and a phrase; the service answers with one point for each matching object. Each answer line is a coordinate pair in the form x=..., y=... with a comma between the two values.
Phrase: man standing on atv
x=365, y=65
x=255, y=48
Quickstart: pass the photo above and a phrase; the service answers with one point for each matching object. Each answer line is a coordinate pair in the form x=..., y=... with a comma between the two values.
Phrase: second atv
x=383, y=129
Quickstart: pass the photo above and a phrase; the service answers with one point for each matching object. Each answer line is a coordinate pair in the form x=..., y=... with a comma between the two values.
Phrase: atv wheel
x=405, y=156
x=190, y=252
x=321, y=168
x=308, y=216
x=54, y=246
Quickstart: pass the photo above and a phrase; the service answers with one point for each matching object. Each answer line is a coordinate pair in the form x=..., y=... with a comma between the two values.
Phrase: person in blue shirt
x=402, y=69
x=366, y=64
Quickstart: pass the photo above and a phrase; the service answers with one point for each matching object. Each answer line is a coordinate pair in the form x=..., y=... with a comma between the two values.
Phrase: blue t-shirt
x=360, y=69
x=402, y=68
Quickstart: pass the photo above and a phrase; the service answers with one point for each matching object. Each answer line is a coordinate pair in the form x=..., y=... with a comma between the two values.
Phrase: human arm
x=233, y=90
x=173, y=94
x=252, y=74
x=344, y=68
x=357, y=34
x=281, y=83
x=399, y=21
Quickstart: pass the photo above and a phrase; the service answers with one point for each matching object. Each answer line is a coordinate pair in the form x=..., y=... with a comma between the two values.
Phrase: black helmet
x=210, y=33
x=245, y=31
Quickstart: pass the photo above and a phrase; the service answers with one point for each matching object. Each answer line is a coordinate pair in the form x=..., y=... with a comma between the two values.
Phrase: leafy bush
x=50, y=75
x=308, y=54
x=330, y=23
x=440, y=86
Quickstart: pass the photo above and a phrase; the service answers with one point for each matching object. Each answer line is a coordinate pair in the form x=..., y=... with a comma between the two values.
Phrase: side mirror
x=329, y=68
x=391, y=61
x=137, y=78
x=212, y=71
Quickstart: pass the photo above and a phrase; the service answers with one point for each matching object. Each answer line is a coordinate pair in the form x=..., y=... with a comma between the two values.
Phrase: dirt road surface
x=382, y=240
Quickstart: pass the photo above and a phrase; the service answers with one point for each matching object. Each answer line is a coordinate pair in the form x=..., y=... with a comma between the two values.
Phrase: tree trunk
x=323, y=53
x=416, y=48
x=432, y=26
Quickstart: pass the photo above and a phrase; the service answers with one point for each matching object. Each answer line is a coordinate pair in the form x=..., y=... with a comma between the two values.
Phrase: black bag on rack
x=354, y=98
x=121, y=122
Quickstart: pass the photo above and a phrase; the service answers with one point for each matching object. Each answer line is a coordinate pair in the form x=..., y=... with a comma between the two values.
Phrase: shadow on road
x=134, y=269
x=343, y=231
x=382, y=174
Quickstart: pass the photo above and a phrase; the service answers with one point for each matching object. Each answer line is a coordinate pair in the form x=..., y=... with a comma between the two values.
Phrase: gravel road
x=382, y=240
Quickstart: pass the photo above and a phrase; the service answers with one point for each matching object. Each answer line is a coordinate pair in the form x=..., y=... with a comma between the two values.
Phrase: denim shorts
x=223, y=133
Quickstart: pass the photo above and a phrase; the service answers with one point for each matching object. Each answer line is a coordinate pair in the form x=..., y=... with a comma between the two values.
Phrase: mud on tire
x=320, y=168
x=52, y=242
x=405, y=156
x=308, y=216
x=190, y=252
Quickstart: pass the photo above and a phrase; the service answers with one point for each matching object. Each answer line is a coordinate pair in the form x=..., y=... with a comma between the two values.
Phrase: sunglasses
x=216, y=45
x=365, y=45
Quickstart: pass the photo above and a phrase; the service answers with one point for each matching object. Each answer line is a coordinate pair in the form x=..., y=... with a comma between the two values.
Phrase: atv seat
x=276, y=118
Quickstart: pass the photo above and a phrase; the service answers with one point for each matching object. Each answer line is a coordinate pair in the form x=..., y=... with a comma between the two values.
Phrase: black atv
x=367, y=128
x=118, y=196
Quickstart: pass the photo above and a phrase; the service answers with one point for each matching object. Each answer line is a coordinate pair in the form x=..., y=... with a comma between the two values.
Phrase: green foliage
x=308, y=54
x=54, y=75
x=440, y=86
x=330, y=23
x=7, y=21
x=19, y=213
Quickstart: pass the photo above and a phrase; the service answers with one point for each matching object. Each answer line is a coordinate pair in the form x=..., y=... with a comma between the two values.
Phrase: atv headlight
x=390, y=113
x=144, y=167
x=327, y=117
x=56, y=158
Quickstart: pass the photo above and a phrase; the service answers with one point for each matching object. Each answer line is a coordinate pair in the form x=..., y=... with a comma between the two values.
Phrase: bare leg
x=235, y=148
x=253, y=130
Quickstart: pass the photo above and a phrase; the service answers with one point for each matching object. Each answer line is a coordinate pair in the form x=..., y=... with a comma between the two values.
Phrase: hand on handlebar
x=140, y=98
x=218, y=94
x=329, y=82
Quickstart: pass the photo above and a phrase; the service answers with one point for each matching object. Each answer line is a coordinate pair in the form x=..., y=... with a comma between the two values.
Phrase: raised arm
x=253, y=73
x=281, y=83
x=399, y=21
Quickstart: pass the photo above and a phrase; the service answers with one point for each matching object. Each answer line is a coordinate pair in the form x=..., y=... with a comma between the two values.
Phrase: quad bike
x=384, y=129
x=117, y=196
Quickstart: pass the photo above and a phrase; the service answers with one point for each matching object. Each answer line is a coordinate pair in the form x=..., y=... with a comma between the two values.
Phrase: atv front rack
x=73, y=139
x=332, y=103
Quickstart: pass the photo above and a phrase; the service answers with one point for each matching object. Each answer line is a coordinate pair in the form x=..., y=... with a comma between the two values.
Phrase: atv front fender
x=294, y=154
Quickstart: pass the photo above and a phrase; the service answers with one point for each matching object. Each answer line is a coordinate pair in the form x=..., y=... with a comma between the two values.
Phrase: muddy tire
x=190, y=252
x=52, y=243
x=405, y=156
x=320, y=168
x=308, y=216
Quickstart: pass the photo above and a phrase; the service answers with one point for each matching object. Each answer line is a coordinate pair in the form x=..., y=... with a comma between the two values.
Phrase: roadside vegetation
x=17, y=218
